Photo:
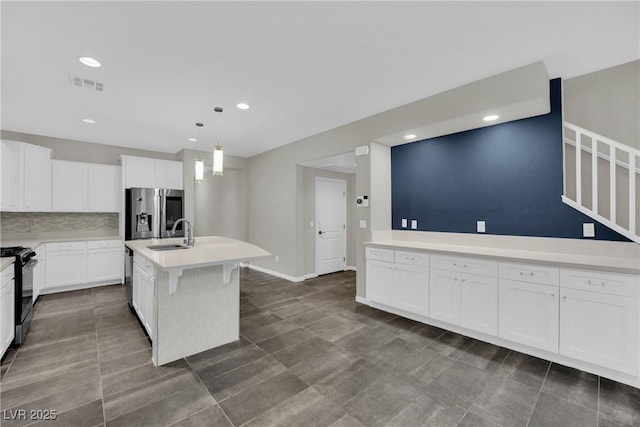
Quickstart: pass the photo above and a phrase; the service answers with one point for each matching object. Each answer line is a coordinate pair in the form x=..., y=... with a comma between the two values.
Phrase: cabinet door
x=139, y=172
x=7, y=315
x=444, y=296
x=600, y=329
x=11, y=176
x=380, y=282
x=138, y=276
x=38, y=274
x=529, y=314
x=37, y=179
x=413, y=289
x=68, y=186
x=168, y=174
x=103, y=265
x=148, y=305
x=104, y=188
x=479, y=303
x=65, y=268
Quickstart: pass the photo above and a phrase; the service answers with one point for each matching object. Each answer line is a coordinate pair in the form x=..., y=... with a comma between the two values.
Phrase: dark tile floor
x=308, y=356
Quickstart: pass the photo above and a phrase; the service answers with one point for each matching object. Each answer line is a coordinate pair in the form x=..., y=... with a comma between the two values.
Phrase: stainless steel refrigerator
x=151, y=213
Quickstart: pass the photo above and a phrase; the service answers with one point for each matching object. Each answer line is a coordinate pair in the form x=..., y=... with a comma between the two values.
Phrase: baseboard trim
x=362, y=300
x=351, y=268
x=310, y=276
x=275, y=273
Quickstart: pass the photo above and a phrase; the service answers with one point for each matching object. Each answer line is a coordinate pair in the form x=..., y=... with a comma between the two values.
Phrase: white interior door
x=331, y=225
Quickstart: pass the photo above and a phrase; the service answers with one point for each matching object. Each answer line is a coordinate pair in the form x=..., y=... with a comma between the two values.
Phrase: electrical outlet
x=404, y=222
x=277, y=258
x=480, y=226
x=588, y=229
x=363, y=223
x=414, y=224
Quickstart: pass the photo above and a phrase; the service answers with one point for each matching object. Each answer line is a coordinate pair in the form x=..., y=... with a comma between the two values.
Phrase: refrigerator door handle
x=159, y=220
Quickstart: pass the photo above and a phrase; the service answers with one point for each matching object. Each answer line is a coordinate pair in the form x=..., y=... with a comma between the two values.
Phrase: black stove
x=23, y=271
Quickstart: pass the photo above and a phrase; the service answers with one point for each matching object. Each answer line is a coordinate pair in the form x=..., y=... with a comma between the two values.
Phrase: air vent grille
x=82, y=82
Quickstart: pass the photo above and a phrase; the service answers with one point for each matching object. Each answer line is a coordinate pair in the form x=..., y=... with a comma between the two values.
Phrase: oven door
x=27, y=289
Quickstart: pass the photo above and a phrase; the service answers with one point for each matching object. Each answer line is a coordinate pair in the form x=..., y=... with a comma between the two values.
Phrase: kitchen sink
x=166, y=247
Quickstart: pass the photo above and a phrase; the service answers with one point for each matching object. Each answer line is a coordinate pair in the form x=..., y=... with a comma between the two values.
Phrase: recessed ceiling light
x=89, y=61
x=491, y=117
x=243, y=106
x=409, y=136
x=89, y=121
x=192, y=139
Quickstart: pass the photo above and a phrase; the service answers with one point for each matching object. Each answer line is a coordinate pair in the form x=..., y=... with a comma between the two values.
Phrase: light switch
x=363, y=223
x=404, y=222
x=588, y=229
x=480, y=226
x=310, y=223
x=414, y=224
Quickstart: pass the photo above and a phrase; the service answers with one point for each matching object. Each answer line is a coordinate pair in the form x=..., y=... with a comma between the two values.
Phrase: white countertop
x=6, y=262
x=621, y=264
x=209, y=250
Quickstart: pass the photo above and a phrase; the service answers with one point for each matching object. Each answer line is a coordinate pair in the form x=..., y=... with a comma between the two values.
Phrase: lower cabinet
x=600, y=329
x=79, y=263
x=529, y=314
x=143, y=297
x=66, y=264
x=588, y=316
x=7, y=309
x=39, y=272
x=398, y=280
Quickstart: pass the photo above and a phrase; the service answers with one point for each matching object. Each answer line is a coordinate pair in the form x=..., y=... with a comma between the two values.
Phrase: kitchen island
x=188, y=299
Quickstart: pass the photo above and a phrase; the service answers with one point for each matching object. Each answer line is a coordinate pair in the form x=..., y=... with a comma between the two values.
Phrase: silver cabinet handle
x=564, y=297
x=553, y=295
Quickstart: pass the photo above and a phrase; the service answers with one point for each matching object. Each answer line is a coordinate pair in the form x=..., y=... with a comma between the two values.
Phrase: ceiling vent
x=86, y=83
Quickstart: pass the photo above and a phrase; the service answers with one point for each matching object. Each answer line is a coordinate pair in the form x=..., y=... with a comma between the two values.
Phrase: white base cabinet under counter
x=398, y=279
x=82, y=264
x=143, y=301
x=581, y=318
x=7, y=309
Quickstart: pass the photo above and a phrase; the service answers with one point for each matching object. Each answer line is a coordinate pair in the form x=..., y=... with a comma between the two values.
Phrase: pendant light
x=199, y=166
x=218, y=156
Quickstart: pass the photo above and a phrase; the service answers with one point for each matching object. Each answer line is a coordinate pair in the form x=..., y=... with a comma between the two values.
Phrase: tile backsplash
x=44, y=222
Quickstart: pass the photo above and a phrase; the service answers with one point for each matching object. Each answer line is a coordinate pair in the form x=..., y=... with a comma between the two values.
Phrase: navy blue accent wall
x=509, y=175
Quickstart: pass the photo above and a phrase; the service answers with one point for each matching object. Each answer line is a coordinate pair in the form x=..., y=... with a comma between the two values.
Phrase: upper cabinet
x=26, y=177
x=85, y=187
x=151, y=173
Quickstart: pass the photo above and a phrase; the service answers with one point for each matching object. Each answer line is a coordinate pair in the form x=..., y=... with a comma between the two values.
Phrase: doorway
x=331, y=225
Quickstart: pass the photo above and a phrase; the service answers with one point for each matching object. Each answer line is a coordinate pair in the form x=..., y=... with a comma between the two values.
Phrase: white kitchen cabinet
x=151, y=173
x=37, y=178
x=10, y=197
x=68, y=186
x=104, y=260
x=398, y=279
x=7, y=309
x=104, y=188
x=444, y=295
x=464, y=292
x=39, y=272
x=529, y=314
x=600, y=319
x=66, y=264
x=479, y=303
x=168, y=174
x=143, y=283
x=380, y=281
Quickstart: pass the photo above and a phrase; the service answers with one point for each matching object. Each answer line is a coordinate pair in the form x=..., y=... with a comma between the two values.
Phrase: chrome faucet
x=189, y=241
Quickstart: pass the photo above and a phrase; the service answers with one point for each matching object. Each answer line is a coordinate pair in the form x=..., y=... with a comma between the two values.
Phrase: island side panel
x=203, y=313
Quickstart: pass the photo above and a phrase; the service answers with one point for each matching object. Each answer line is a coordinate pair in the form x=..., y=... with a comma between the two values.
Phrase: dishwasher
x=128, y=274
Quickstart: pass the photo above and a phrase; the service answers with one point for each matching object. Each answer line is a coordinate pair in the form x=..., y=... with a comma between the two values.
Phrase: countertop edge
x=557, y=259
x=35, y=242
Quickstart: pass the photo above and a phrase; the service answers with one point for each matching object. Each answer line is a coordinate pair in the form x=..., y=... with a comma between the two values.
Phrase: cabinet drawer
x=380, y=254
x=605, y=283
x=412, y=258
x=65, y=246
x=104, y=244
x=530, y=273
x=144, y=263
x=466, y=265
x=8, y=274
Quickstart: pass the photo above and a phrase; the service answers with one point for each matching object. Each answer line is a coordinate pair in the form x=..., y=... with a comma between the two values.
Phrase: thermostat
x=362, y=201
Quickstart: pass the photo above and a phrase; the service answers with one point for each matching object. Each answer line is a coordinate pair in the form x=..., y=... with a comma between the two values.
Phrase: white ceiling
x=304, y=67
